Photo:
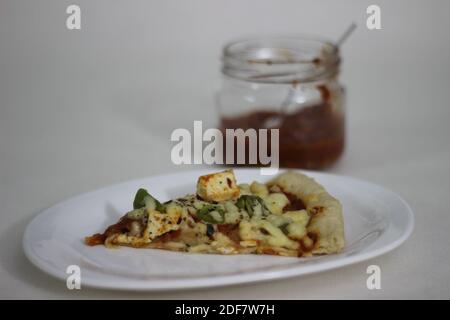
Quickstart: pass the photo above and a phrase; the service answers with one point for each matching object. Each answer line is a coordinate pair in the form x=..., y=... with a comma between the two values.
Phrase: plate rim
x=223, y=280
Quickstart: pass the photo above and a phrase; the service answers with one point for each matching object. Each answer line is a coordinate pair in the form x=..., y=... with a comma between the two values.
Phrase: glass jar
x=291, y=84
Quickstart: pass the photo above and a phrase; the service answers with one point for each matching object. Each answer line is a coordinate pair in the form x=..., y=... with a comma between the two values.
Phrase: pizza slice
x=291, y=215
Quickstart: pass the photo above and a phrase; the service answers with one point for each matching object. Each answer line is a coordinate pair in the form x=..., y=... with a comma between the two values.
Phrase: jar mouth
x=280, y=59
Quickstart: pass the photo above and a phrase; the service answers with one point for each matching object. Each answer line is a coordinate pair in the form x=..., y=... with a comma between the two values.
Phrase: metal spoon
x=277, y=120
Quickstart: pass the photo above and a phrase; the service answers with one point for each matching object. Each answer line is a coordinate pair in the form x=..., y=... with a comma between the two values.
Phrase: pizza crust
x=326, y=224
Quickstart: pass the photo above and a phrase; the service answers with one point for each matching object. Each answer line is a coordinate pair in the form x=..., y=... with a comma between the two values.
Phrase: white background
x=83, y=109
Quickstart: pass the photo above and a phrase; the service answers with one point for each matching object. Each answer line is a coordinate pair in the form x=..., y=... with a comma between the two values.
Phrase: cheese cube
x=218, y=186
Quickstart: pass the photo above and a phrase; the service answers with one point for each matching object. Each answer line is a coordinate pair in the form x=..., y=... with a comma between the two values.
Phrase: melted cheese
x=275, y=202
x=276, y=237
x=259, y=189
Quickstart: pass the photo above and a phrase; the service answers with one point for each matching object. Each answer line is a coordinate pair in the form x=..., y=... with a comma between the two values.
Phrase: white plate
x=376, y=221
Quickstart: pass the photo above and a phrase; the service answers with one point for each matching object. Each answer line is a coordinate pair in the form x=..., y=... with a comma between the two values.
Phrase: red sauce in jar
x=312, y=137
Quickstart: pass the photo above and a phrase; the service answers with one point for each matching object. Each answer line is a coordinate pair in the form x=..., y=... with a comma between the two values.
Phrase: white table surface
x=84, y=109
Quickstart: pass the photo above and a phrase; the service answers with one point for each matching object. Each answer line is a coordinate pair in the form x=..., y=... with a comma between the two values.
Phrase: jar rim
x=280, y=58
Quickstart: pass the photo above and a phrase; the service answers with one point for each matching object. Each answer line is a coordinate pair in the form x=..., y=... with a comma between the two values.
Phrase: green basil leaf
x=283, y=228
x=140, y=198
x=249, y=202
x=204, y=214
